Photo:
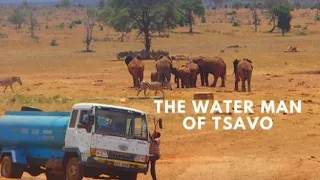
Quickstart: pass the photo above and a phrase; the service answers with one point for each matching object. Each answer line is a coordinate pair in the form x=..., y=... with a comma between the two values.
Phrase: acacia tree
x=32, y=21
x=89, y=23
x=284, y=17
x=145, y=13
x=255, y=16
x=190, y=9
x=272, y=4
x=121, y=22
x=17, y=18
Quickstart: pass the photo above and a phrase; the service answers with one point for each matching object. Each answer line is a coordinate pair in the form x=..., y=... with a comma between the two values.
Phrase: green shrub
x=60, y=26
x=231, y=13
x=235, y=23
x=3, y=35
x=72, y=25
x=54, y=42
x=297, y=26
x=47, y=26
x=77, y=22
x=203, y=19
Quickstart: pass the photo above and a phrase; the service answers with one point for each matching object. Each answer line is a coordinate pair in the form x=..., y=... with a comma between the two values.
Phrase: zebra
x=156, y=86
x=8, y=81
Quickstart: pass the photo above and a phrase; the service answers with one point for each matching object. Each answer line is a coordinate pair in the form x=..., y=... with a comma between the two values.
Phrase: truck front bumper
x=117, y=164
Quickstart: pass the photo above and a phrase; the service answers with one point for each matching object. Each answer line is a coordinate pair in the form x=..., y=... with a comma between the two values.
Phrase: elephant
x=184, y=76
x=163, y=66
x=194, y=71
x=154, y=76
x=211, y=65
x=136, y=69
x=243, y=70
x=174, y=71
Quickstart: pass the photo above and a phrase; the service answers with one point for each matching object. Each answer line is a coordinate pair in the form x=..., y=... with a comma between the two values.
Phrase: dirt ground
x=54, y=78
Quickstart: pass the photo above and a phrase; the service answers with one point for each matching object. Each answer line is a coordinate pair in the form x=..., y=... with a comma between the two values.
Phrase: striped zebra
x=8, y=81
x=156, y=86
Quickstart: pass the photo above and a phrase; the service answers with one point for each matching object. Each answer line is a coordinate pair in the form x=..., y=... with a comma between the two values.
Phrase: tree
x=121, y=22
x=190, y=9
x=271, y=4
x=17, y=18
x=256, y=20
x=144, y=15
x=317, y=7
x=65, y=3
x=216, y=3
x=89, y=23
x=284, y=17
x=32, y=21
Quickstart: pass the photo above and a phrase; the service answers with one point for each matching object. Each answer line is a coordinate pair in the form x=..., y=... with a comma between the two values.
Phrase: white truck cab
x=110, y=140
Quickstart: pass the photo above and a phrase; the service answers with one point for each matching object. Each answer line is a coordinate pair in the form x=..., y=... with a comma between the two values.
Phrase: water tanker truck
x=91, y=140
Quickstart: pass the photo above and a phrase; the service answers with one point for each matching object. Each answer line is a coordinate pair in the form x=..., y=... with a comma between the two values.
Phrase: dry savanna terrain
x=54, y=78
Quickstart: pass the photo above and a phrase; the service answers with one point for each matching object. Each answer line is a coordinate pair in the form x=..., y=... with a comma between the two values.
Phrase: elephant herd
x=186, y=75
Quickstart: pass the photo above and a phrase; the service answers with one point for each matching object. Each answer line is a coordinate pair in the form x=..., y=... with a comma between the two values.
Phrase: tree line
x=148, y=17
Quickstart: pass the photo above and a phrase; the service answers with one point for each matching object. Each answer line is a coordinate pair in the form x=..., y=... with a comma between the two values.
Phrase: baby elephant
x=243, y=70
x=156, y=86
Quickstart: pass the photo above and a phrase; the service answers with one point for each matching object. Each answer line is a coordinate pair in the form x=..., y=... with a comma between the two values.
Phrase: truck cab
x=89, y=141
x=109, y=140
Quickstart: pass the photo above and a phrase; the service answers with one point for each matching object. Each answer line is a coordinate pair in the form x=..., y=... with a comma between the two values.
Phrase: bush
x=47, y=26
x=297, y=26
x=231, y=13
x=54, y=42
x=302, y=33
x=3, y=35
x=235, y=23
x=60, y=26
x=72, y=25
x=77, y=22
x=203, y=19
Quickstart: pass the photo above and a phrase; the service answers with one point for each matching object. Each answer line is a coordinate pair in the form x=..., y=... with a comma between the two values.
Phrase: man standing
x=154, y=152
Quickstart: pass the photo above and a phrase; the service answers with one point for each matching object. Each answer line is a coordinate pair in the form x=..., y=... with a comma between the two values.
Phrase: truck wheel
x=128, y=176
x=74, y=171
x=10, y=169
x=51, y=175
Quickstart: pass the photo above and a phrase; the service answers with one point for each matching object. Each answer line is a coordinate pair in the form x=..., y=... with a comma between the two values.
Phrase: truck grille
x=121, y=156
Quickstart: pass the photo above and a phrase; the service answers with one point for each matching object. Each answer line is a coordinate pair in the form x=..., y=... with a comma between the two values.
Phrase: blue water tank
x=33, y=129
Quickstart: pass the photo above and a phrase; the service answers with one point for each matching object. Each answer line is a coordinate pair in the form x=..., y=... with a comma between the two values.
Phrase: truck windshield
x=121, y=123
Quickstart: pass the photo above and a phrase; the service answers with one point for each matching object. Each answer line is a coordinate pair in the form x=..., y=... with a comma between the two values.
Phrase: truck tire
x=74, y=170
x=128, y=176
x=51, y=175
x=9, y=169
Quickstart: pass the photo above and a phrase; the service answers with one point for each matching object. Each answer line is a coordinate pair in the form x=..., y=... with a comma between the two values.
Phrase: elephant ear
x=248, y=60
x=128, y=60
x=160, y=57
x=235, y=65
x=139, y=57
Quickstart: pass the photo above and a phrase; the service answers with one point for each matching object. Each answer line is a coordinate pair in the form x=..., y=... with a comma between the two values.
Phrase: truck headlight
x=101, y=153
x=140, y=158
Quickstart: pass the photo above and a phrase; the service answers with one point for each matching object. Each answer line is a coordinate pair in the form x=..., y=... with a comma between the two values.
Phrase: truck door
x=84, y=132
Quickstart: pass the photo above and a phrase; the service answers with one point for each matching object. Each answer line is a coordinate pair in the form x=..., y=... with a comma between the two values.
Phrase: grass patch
x=31, y=99
x=3, y=35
